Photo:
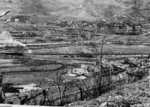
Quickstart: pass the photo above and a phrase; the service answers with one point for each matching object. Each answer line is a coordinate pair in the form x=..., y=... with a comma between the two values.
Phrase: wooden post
x=149, y=77
x=81, y=94
x=2, y=97
x=1, y=80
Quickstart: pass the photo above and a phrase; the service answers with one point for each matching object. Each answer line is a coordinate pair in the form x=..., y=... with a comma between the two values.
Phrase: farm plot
x=51, y=56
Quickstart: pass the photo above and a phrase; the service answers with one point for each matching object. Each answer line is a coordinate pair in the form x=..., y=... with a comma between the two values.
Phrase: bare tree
x=62, y=88
x=99, y=63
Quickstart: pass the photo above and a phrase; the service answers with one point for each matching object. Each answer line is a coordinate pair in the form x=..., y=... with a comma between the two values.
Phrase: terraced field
x=47, y=58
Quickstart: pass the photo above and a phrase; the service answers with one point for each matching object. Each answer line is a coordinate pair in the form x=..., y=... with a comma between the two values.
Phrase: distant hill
x=78, y=9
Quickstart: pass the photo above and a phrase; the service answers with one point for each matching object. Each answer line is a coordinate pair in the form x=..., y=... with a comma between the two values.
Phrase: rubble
x=22, y=89
x=127, y=74
x=27, y=87
x=118, y=70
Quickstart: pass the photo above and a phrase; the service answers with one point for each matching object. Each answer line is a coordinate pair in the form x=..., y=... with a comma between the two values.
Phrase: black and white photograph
x=75, y=53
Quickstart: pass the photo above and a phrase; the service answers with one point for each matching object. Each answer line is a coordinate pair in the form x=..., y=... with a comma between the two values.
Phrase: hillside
x=130, y=95
x=77, y=9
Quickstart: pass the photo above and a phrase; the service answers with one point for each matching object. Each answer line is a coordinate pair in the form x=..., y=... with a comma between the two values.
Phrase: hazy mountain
x=78, y=9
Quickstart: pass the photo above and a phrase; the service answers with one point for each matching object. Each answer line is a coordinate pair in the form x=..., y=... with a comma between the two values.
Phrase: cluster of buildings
x=124, y=27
